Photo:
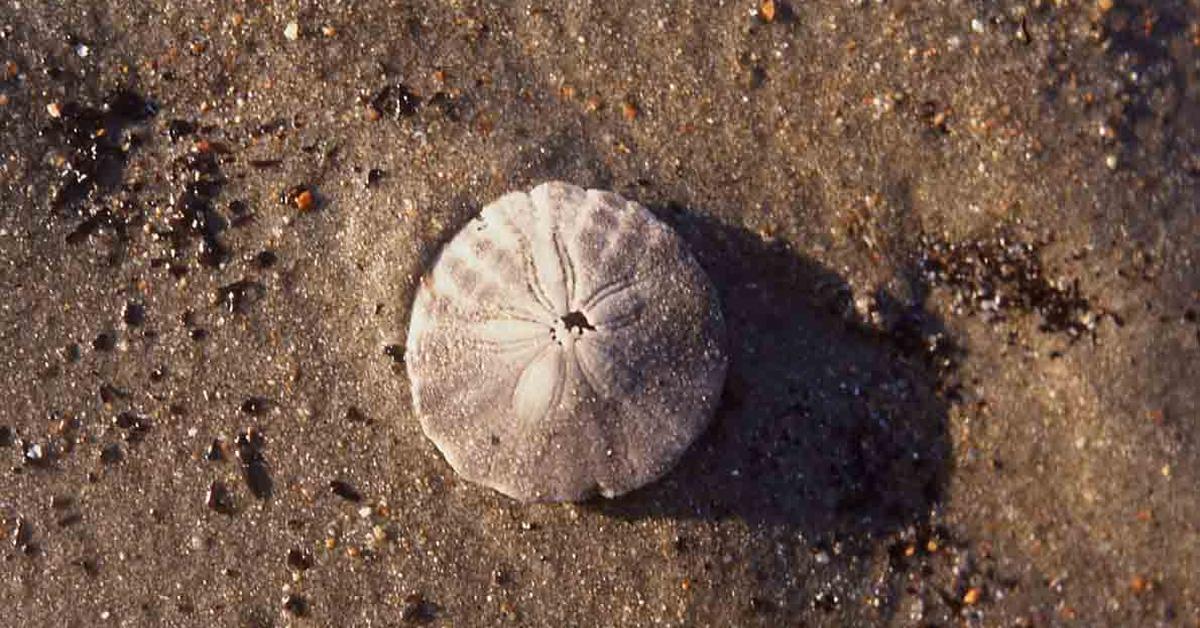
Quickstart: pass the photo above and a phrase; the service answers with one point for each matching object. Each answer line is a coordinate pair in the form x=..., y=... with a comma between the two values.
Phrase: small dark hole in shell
x=577, y=321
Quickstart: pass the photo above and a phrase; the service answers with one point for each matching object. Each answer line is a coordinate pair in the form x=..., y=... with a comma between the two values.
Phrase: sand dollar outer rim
x=565, y=343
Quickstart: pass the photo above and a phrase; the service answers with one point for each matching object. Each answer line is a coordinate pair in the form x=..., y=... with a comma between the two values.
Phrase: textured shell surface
x=565, y=343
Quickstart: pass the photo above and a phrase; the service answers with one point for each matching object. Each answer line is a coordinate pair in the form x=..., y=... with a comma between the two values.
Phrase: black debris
x=219, y=498
x=345, y=490
x=998, y=275
x=97, y=148
x=374, y=176
x=254, y=406
x=395, y=352
x=134, y=314
x=395, y=101
x=23, y=536
x=104, y=342
x=254, y=463
x=295, y=605
x=265, y=260
x=111, y=454
x=135, y=425
x=179, y=128
x=194, y=216
x=417, y=610
x=299, y=560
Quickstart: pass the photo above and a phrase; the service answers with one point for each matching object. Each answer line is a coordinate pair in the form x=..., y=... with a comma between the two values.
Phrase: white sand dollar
x=565, y=343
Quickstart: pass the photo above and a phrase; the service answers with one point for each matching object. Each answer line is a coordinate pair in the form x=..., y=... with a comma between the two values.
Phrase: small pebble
x=305, y=201
x=219, y=498
x=767, y=10
x=23, y=535
x=344, y=490
x=35, y=454
x=134, y=314
x=298, y=560
x=395, y=352
x=292, y=31
x=104, y=342
x=629, y=110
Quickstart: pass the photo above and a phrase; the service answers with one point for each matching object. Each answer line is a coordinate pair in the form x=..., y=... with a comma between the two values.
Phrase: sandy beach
x=955, y=245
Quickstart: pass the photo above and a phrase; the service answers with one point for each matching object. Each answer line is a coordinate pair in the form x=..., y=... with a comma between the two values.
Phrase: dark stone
x=265, y=259
x=354, y=415
x=104, y=342
x=178, y=128
x=299, y=560
x=396, y=101
x=23, y=536
x=395, y=352
x=219, y=498
x=134, y=314
x=254, y=463
x=258, y=479
x=344, y=490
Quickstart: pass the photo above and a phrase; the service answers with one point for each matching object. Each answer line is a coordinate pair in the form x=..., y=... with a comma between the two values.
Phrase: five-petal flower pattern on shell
x=565, y=343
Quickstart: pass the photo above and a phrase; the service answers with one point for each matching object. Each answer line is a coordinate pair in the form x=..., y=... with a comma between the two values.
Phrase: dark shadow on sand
x=828, y=425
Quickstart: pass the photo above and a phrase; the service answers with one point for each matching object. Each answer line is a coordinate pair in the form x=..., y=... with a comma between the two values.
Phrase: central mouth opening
x=576, y=321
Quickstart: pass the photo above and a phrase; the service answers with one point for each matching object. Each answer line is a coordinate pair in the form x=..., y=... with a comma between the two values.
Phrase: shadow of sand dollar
x=830, y=431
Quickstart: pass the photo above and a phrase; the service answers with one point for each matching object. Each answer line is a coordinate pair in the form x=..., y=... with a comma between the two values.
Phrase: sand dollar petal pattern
x=565, y=344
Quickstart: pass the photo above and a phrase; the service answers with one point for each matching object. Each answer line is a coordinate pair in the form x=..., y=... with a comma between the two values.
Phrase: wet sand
x=955, y=245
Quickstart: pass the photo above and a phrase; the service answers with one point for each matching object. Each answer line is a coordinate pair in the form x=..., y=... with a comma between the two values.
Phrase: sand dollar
x=565, y=343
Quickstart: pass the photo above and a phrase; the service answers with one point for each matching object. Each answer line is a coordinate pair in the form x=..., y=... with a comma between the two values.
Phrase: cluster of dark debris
x=94, y=144
x=999, y=277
